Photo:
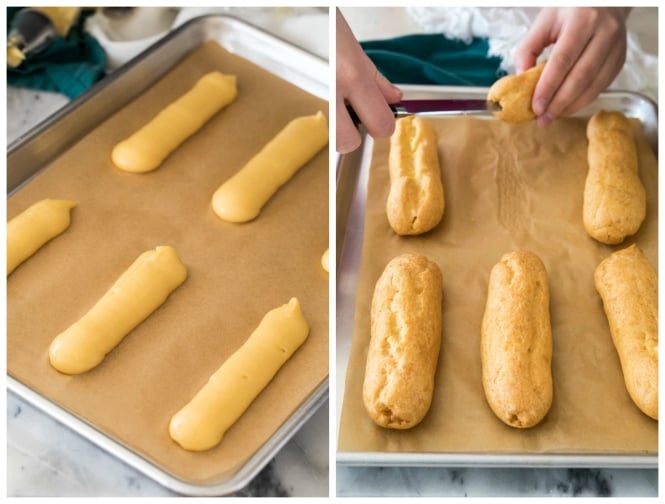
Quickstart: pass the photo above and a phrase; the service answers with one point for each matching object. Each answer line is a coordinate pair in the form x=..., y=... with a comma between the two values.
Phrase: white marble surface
x=500, y=482
x=45, y=458
x=379, y=23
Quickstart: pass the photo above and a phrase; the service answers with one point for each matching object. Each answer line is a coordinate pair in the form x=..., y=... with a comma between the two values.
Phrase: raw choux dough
x=14, y=56
x=405, y=339
x=325, y=259
x=415, y=202
x=28, y=231
x=241, y=198
x=148, y=147
x=628, y=286
x=201, y=424
x=516, y=341
x=514, y=93
x=139, y=291
x=614, y=198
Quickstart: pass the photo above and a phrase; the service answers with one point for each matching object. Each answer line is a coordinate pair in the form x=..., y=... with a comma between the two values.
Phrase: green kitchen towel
x=434, y=59
x=69, y=65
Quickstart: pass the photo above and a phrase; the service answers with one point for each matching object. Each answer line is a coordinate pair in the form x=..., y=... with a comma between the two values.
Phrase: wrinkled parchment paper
x=506, y=187
x=237, y=272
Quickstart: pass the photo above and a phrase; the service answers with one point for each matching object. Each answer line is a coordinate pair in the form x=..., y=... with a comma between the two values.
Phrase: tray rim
x=508, y=460
x=318, y=396
x=459, y=459
x=239, y=480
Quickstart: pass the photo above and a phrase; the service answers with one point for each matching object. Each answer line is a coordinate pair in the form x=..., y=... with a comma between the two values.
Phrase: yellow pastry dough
x=148, y=147
x=28, y=231
x=202, y=423
x=14, y=56
x=135, y=295
x=241, y=198
x=325, y=260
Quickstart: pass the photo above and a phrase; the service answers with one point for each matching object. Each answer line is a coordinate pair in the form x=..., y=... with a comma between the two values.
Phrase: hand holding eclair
x=589, y=50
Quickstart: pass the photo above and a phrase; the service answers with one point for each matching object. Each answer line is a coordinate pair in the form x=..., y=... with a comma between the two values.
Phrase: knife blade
x=443, y=107
x=437, y=107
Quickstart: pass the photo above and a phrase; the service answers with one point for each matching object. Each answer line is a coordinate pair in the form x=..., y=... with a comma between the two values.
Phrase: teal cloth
x=434, y=59
x=69, y=65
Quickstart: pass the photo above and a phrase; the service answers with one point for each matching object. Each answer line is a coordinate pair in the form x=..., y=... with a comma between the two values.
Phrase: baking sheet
x=507, y=187
x=236, y=272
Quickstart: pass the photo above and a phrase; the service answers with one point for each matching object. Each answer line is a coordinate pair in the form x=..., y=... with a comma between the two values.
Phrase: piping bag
x=33, y=29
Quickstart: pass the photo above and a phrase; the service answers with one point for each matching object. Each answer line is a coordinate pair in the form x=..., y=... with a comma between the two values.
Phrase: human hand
x=589, y=51
x=360, y=84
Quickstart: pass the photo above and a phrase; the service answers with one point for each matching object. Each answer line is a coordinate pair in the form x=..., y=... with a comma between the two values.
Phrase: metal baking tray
x=352, y=179
x=31, y=152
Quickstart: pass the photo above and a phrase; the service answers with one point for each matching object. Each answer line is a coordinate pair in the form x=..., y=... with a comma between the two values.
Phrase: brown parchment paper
x=237, y=272
x=506, y=187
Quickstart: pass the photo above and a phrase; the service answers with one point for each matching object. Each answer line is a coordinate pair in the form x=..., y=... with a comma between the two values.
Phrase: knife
x=445, y=107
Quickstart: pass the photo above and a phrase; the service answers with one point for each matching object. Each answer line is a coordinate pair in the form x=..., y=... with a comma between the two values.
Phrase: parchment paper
x=506, y=187
x=237, y=272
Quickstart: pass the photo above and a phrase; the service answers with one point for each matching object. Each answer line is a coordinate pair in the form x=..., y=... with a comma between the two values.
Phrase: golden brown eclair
x=514, y=93
x=628, y=286
x=416, y=202
x=516, y=341
x=405, y=342
x=614, y=197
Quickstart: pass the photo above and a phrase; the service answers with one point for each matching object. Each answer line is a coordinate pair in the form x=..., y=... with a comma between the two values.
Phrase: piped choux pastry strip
x=241, y=198
x=146, y=149
x=405, y=339
x=415, y=202
x=325, y=260
x=514, y=94
x=30, y=230
x=139, y=291
x=614, y=198
x=628, y=286
x=516, y=341
x=201, y=424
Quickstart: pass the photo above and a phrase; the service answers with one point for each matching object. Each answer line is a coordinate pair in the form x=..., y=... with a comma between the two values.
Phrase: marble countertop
x=495, y=482
x=46, y=458
x=377, y=23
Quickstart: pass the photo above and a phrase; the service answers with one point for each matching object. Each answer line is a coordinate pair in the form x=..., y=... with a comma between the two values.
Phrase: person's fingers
x=348, y=137
x=391, y=93
x=580, y=79
x=537, y=38
x=362, y=86
x=609, y=48
x=371, y=107
x=595, y=69
x=603, y=78
x=566, y=51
